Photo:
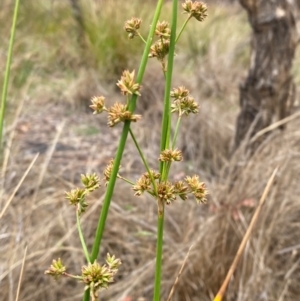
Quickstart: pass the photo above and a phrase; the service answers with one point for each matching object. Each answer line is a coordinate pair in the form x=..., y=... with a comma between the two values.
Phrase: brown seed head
x=127, y=84
x=196, y=9
x=56, y=269
x=169, y=155
x=160, y=49
x=197, y=188
x=166, y=192
x=163, y=29
x=119, y=113
x=143, y=184
x=98, y=104
x=132, y=26
x=181, y=190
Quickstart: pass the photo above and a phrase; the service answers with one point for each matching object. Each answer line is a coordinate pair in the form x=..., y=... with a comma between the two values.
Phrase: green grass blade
x=7, y=69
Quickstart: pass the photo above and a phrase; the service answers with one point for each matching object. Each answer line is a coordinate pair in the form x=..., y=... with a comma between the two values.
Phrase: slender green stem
x=144, y=161
x=85, y=250
x=176, y=132
x=166, y=128
x=159, y=249
x=126, y=180
x=182, y=28
x=109, y=192
x=72, y=276
x=119, y=153
x=7, y=69
x=141, y=37
x=165, y=139
x=167, y=169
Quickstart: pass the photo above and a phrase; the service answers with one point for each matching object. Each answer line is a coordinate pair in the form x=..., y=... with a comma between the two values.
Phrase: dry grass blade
x=245, y=239
x=179, y=274
x=48, y=158
x=11, y=138
x=18, y=186
x=21, y=274
x=274, y=126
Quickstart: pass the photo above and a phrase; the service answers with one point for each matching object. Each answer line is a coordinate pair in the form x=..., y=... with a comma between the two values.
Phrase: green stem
x=166, y=122
x=109, y=192
x=144, y=161
x=176, y=132
x=73, y=276
x=119, y=153
x=7, y=69
x=141, y=37
x=165, y=139
x=126, y=180
x=159, y=249
x=85, y=250
x=182, y=28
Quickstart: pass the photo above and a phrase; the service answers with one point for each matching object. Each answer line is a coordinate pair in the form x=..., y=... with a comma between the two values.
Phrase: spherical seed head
x=90, y=181
x=197, y=188
x=163, y=29
x=166, y=192
x=196, y=9
x=127, y=84
x=185, y=106
x=119, y=113
x=143, y=184
x=96, y=276
x=77, y=198
x=108, y=170
x=169, y=155
x=131, y=26
x=113, y=262
x=56, y=269
x=97, y=104
x=181, y=190
x=160, y=49
x=180, y=92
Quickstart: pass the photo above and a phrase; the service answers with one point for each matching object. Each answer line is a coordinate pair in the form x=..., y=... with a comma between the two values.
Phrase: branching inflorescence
x=155, y=183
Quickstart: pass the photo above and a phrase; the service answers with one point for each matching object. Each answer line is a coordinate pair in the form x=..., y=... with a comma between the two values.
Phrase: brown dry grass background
x=53, y=78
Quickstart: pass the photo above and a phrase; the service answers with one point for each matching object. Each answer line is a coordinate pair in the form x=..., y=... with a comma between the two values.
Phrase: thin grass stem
x=182, y=28
x=176, y=132
x=85, y=250
x=159, y=249
x=166, y=121
x=141, y=37
x=126, y=180
x=7, y=69
x=144, y=161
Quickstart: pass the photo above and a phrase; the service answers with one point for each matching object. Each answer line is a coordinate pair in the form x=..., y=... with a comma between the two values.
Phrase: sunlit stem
x=165, y=140
x=7, y=69
x=141, y=37
x=144, y=161
x=126, y=180
x=85, y=250
x=182, y=28
x=176, y=132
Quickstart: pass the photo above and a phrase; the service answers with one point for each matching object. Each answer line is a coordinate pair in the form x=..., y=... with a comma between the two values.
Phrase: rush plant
x=159, y=44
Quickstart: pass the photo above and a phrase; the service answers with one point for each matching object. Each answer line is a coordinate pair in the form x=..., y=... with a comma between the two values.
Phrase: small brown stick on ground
x=245, y=239
x=21, y=274
x=179, y=274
